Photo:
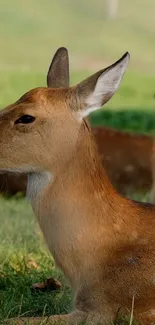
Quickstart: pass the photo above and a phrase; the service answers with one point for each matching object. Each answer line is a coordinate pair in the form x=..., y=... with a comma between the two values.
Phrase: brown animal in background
x=126, y=158
x=11, y=184
x=104, y=243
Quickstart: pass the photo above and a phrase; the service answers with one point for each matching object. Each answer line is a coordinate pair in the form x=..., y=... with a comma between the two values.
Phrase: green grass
x=133, y=121
x=22, y=242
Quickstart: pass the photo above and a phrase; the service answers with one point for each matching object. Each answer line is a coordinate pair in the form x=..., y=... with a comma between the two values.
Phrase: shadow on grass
x=17, y=297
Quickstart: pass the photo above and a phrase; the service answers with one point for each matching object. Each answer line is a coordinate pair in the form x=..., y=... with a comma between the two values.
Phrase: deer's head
x=40, y=130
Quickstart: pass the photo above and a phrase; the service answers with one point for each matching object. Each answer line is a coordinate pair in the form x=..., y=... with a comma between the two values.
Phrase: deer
x=103, y=242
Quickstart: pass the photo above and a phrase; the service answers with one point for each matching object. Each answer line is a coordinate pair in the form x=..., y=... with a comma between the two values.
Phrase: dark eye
x=25, y=119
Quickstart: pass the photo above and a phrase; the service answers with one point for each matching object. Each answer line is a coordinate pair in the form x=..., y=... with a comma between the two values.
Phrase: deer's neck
x=82, y=175
x=74, y=207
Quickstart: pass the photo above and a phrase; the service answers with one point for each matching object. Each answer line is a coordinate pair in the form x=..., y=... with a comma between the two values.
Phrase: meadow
x=30, y=32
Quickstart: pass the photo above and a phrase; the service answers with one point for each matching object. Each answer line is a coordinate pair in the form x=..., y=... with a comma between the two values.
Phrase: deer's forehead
x=35, y=95
x=43, y=94
x=39, y=101
x=39, y=104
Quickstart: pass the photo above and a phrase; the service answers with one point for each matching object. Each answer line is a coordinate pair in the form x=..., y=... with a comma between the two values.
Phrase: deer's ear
x=95, y=91
x=58, y=73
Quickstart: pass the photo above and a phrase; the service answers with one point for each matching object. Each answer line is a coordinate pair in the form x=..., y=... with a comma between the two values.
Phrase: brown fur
x=152, y=195
x=104, y=243
x=126, y=158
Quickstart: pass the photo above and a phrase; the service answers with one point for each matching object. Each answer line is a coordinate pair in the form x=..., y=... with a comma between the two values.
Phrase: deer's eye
x=25, y=119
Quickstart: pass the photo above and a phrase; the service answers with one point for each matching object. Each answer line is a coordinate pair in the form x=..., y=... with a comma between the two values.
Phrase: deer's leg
x=75, y=318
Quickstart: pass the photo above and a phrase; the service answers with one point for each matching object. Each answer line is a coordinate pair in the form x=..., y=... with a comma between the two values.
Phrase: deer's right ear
x=95, y=91
x=58, y=73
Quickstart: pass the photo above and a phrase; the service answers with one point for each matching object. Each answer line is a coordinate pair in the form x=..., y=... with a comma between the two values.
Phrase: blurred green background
x=95, y=35
x=31, y=31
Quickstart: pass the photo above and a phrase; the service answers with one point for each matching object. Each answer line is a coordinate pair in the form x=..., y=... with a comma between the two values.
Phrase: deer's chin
x=18, y=170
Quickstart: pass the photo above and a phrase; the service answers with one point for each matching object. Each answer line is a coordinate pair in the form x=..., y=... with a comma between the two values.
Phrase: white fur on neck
x=37, y=182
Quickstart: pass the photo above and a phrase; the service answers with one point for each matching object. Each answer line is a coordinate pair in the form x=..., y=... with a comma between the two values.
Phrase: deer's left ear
x=58, y=73
x=95, y=91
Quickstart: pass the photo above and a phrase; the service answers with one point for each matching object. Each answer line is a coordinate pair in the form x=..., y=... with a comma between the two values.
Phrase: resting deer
x=126, y=158
x=104, y=243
